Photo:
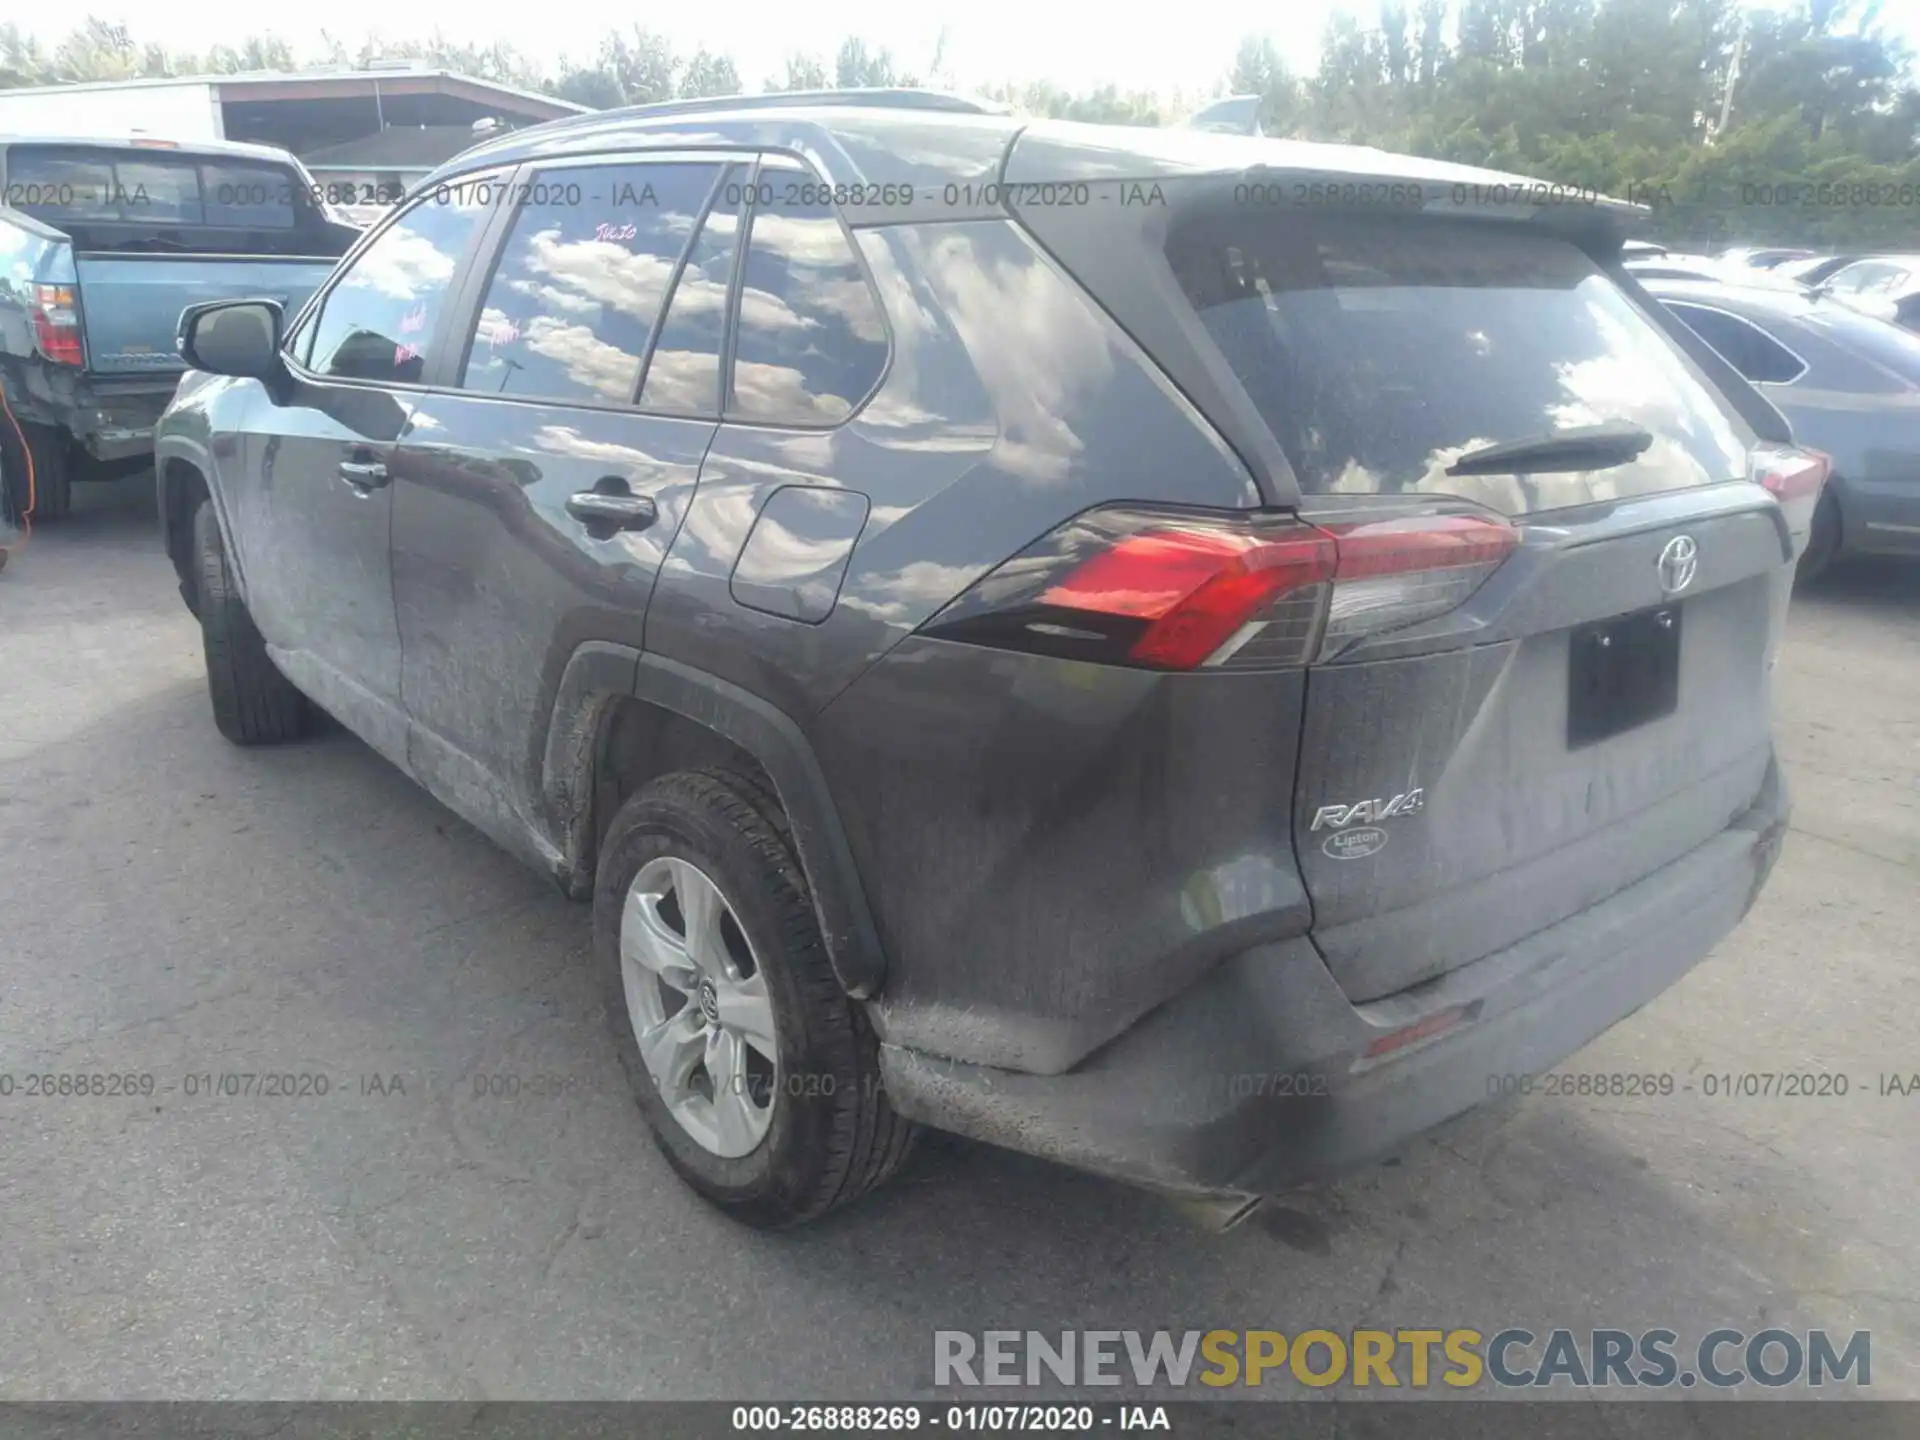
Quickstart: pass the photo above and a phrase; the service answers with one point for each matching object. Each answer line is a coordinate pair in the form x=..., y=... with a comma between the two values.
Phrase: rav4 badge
x=1338, y=817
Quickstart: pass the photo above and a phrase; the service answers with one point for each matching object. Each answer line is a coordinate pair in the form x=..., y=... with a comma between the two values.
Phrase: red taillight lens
x=1794, y=476
x=1193, y=587
x=1174, y=592
x=56, y=324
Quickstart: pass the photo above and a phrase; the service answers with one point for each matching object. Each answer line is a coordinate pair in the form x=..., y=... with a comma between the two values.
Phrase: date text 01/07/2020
x=960, y=1419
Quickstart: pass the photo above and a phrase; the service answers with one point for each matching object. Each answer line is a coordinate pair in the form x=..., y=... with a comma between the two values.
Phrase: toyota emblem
x=1679, y=559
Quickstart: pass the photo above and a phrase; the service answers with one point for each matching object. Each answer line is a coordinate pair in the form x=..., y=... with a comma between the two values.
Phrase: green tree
x=709, y=74
x=804, y=72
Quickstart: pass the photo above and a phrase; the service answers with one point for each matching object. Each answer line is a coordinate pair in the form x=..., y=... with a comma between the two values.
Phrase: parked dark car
x=1190, y=655
x=1848, y=384
x=102, y=244
x=1886, y=287
x=1762, y=258
x=1814, y=269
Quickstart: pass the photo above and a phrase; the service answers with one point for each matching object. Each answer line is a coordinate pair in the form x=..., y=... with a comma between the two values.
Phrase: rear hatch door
x=1599, y=705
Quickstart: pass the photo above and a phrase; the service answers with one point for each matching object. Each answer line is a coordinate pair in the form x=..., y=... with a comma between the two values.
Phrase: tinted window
x=581, y=280
x=248, y=197
x=683, y=377
x=139, y=188
x=810, y=342
x=1743, y=345
x=1379, y=350
x=377, y=322
x=69, y=186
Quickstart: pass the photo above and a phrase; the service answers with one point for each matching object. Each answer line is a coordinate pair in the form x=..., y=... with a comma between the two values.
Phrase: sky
x=987, y=41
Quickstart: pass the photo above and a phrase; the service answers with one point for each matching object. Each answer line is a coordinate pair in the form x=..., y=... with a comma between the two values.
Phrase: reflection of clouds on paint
x=566, y=440
x=907, y=595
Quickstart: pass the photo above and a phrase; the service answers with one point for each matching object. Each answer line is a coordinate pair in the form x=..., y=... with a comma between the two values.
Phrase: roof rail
x=875, y=97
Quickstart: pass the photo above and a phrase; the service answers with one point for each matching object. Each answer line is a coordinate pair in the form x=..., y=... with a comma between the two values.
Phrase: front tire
x=253, y=703
x=757, y=1075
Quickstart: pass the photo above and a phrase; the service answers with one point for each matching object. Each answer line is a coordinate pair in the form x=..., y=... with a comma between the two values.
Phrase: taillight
x=1172, y=591
x=1795, y=476
x=56, y=324
x=1396, y=572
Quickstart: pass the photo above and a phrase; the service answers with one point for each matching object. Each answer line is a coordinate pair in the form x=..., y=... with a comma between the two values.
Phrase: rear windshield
x=1380, y=350
x=118, y=187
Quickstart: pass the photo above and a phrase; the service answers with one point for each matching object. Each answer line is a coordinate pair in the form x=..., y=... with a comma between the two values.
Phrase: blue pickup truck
x=102, y=244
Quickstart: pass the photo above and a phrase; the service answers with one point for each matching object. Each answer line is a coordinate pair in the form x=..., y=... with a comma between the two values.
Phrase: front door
x=315, y=505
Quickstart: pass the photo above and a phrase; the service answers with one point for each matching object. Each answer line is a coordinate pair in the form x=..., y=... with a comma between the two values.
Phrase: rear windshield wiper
x=1581, y=447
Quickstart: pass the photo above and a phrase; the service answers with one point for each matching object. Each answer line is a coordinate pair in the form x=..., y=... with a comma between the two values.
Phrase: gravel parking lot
x=177, y=908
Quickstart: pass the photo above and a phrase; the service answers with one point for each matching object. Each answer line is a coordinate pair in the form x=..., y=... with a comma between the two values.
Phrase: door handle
x=364, y=475
x=606, y=511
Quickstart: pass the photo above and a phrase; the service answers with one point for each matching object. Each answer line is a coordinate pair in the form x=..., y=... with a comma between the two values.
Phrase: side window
x=1758, y=357
x=1861, y=277
x=811, y=342
x=377, y=321
x=581, y=279
x=683, y=377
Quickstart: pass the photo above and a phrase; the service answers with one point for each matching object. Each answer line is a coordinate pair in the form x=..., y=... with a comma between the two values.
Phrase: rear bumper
x=108, y=419
x=117, y=424
x=1247, y=1082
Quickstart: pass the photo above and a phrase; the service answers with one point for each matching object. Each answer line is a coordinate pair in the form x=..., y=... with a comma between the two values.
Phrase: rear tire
x=253, y=703
x=827, y=1133
x=1823, y=546
x=50, y=489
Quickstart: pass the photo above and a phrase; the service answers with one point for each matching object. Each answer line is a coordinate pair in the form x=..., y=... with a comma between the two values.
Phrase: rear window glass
x=138, y=188
x=1380, y=351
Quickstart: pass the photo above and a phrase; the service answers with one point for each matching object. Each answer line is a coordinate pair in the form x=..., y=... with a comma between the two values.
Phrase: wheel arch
x=621, y=717
x=182, y=486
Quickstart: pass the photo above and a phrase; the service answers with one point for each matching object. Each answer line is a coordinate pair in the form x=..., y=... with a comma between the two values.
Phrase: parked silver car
x=1848, y=384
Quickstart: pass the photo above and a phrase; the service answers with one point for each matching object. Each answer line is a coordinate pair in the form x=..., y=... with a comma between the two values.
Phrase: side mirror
x=232, y=337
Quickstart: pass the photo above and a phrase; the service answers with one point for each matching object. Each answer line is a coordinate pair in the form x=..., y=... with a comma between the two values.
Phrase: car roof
x=1781, y=302
x=234, y=148
x=925, y=138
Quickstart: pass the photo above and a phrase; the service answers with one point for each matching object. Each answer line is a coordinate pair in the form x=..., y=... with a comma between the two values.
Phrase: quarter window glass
x=810, y=344
x=683, y=377
x=581, y=280
x=1750, y=350
x=377, y=321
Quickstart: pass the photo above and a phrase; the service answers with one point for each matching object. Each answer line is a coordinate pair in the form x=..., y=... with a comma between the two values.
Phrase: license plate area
x=1621, y=674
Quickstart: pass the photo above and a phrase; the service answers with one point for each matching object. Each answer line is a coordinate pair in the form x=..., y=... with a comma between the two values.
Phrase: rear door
x=1496, y=738
x=542, y=482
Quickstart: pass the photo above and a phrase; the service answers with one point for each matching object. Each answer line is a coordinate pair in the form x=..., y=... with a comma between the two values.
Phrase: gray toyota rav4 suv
x=1190, y=655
